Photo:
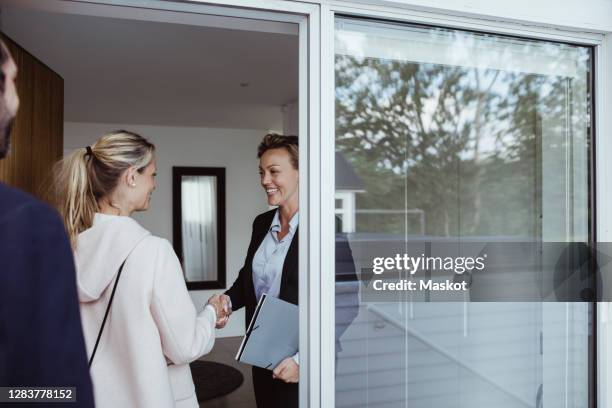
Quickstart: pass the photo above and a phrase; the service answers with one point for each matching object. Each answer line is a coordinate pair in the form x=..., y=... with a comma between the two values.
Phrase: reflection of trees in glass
x=463, y=144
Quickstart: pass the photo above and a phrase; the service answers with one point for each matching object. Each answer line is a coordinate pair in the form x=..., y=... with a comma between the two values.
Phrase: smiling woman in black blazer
x=271, y=264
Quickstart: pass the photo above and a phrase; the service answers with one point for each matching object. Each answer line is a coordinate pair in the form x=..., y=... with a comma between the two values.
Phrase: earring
x=133, y=184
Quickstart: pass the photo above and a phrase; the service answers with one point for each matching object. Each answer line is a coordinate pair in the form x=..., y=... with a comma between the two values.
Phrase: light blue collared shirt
x=270, y=257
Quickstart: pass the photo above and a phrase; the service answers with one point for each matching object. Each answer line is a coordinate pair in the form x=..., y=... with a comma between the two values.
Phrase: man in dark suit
x=41, y=340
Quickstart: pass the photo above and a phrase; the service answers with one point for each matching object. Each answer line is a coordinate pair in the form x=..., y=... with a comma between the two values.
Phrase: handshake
x=223, y=309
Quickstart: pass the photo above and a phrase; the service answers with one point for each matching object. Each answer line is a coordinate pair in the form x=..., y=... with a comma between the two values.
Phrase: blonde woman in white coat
x=153, y=329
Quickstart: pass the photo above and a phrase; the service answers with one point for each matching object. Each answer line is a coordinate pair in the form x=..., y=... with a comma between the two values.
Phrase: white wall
x=291, y=118
x=234, y=149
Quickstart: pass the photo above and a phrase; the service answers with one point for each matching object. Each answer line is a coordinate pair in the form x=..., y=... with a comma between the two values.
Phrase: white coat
x=152, y=331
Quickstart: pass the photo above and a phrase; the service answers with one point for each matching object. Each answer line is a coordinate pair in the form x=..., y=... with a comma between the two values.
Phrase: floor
x=243, y=397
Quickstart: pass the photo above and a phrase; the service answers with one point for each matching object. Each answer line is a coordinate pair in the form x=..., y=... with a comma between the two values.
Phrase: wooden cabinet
x=38, y=133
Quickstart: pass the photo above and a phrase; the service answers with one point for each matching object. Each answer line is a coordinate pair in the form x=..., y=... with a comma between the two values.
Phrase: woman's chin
x=273, y=202
x=144, y=207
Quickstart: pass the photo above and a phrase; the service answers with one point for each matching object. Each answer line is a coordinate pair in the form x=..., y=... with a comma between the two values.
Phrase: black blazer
x=41, y=340
x=271, y=393
x=242, y=292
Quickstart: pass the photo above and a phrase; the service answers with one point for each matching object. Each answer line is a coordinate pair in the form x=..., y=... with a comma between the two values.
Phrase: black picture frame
x=219, y=174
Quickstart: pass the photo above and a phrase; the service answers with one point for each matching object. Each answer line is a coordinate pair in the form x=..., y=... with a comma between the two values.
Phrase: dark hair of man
x=6, y=120
x=276, y=141
x=4, y=57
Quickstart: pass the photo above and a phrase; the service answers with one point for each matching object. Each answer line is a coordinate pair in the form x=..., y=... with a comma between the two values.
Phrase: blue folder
x=272, y=335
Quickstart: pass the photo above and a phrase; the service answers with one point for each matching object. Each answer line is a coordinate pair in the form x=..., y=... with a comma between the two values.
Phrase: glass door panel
x=446, y=135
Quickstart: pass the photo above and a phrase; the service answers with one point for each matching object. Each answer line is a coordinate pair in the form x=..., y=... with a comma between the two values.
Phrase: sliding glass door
x=443, y=136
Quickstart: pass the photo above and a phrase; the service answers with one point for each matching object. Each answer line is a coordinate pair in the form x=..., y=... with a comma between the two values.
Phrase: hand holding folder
x=272, y=335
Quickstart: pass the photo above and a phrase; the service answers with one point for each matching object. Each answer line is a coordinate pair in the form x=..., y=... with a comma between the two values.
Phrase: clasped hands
x=221, y=303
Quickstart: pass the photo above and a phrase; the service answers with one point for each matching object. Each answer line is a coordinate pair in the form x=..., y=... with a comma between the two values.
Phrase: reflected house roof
x=346, y=178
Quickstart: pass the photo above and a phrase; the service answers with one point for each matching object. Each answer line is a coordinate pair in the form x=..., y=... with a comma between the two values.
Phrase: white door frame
x=316, y=127
x=307, y=17
x=603, y=134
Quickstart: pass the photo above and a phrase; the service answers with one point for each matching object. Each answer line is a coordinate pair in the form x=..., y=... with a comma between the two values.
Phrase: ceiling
x=128, y=71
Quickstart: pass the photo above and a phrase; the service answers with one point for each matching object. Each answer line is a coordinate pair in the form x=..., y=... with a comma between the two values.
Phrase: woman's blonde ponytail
x=76, y=202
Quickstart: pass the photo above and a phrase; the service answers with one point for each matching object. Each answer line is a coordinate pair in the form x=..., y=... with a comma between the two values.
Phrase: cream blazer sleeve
x=185, y=334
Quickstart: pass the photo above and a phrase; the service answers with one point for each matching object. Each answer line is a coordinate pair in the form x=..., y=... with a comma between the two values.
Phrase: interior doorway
x=205, y=88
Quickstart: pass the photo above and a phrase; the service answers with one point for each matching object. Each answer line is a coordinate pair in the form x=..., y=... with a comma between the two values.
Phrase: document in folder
x=272, y=335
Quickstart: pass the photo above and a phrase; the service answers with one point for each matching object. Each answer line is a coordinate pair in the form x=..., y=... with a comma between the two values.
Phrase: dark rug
x=213, y=380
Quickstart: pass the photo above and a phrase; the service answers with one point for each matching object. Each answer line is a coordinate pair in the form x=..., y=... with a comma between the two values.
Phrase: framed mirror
x=198, y=206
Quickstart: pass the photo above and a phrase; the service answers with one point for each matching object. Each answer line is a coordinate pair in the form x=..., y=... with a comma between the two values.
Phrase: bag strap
x=106, y=314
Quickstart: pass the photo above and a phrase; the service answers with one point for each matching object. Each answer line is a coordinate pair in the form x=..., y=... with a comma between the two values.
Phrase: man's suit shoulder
x=18, y=208
x=11, y=198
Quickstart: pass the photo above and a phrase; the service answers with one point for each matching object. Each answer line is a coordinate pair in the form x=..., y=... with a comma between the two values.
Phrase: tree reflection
x=463, y=144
